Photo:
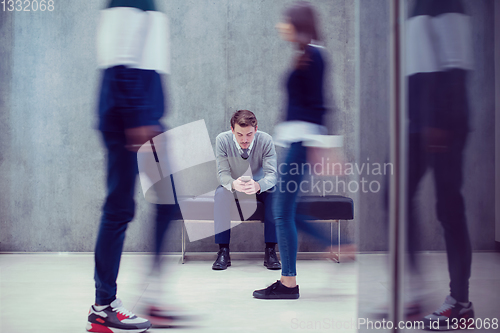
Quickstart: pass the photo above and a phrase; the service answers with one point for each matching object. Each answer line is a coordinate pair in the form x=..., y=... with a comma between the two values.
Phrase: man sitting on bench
x=238, y=151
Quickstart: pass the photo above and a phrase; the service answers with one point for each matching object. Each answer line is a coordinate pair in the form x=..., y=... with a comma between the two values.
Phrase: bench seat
x=328, y=209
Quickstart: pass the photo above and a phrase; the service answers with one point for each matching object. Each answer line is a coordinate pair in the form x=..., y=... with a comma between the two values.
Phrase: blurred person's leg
x=284, y=206
x=284, y=210
x=450, y=207
x=311, y=229
x=417, y=166
x=154, y=294
x=347, y=247
x=448, y=169
x=448, y=172
x=156, y=306
x=118, y=210
x=164, y=214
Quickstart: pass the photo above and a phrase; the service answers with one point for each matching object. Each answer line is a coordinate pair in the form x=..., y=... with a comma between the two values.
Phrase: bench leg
x=338, y=240
x=335, y=256
x=183, y=243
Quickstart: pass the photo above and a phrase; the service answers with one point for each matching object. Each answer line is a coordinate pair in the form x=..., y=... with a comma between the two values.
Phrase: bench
x=328, y=209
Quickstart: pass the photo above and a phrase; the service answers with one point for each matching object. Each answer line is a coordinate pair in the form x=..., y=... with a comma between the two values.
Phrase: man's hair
x=243, y=118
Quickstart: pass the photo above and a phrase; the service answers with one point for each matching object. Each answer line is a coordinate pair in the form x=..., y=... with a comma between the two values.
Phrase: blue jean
x=118, y=211
x=285, y=212
x=223, y=202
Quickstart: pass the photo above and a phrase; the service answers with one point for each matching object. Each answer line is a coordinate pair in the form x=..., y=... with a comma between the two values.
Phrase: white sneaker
x=114, y=318
x=451, y=315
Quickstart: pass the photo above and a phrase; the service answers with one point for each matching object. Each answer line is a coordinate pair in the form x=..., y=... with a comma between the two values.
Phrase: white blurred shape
x=185, y=146
x=135, y=38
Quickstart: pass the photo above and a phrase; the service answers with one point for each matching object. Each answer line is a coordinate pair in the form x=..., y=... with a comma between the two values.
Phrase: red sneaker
x=114, y=318
x=450, y=316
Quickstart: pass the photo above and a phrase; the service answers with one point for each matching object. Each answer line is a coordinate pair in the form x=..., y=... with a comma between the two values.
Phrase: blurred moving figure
x=438, y=58
x=132, y=51
x=304, y=117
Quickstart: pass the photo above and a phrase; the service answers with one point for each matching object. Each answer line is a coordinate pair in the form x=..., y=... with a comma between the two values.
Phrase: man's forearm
x=269, y=166
x=267, y=182
x=226, y=182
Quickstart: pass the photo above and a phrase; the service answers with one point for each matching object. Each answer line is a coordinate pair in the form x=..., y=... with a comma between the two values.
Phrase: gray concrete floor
x=52, y=292
x=431, y=287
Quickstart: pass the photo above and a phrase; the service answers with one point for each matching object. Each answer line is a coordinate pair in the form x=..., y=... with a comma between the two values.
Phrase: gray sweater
x=261, y=160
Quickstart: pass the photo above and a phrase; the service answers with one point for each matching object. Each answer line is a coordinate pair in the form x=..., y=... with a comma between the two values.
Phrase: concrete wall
x=6, y=44
x=479, y=166
x=373, y=84
x=226, y=55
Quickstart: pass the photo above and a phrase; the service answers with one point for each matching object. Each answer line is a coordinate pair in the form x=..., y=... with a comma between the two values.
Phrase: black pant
x=224, y=200
x=448, y=179
x=118, y=211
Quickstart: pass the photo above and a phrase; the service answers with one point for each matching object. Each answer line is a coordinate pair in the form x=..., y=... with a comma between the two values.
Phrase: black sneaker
x=115, y=318
x=223, y=260
x=271, y=259
x=451, y=315
x=277, y=291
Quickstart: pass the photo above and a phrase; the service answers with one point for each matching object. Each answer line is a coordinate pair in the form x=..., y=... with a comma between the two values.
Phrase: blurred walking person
x=304, y=117
x=438, y=61
x=132, y=52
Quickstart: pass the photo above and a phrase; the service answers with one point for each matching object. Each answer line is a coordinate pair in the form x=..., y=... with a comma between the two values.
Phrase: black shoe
x=277, y=291
x=223, y=260
x=271, y=259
